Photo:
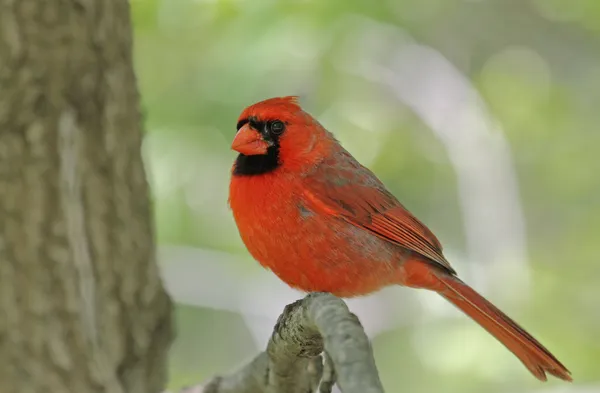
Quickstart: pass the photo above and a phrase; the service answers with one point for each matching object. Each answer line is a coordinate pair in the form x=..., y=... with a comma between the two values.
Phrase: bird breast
x=309, y=250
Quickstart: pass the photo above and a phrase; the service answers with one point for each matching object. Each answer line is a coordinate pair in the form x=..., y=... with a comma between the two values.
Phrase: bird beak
x=249, y=142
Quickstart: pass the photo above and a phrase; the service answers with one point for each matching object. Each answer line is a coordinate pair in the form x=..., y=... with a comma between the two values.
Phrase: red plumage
x=307, y=210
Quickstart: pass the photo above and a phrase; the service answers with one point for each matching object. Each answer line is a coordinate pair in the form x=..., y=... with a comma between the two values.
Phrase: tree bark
x=292, y=362
x=82, y=307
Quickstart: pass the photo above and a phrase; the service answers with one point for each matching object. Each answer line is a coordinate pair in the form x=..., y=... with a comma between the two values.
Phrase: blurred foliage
x=536, y=64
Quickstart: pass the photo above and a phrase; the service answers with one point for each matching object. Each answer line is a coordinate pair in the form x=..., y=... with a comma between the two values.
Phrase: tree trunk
x=82, y=307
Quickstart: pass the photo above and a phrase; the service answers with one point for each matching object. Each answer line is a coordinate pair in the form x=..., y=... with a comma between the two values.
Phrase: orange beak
x=249, y=142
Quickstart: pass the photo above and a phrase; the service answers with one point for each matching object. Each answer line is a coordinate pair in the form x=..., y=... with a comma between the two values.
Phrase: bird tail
x=533, y=354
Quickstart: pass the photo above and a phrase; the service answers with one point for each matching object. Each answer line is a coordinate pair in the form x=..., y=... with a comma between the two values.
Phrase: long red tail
x=533, y=354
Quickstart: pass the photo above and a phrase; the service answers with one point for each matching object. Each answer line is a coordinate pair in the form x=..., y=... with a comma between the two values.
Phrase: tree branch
x=292, y=362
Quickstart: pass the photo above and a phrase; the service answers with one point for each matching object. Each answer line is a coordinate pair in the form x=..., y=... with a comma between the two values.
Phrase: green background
x=535, y=68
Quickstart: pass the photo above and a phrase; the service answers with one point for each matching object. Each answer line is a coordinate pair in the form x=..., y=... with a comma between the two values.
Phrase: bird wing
x=342, y=187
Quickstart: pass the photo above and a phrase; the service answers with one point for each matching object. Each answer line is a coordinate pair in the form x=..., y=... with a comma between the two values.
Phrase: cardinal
x=312, y=214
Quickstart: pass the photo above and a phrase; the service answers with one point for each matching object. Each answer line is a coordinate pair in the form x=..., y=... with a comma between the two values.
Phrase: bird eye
x=277, y=127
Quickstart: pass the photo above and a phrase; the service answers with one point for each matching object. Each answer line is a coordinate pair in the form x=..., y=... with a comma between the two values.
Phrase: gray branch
x=292, y=362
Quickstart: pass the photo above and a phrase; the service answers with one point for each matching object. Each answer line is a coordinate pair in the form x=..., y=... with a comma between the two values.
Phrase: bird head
x=275, y=133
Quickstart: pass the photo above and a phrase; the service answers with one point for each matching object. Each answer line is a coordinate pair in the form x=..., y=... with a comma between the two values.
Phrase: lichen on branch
x=319, y=323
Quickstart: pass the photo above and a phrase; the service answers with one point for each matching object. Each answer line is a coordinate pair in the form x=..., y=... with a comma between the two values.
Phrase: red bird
x=322, y=222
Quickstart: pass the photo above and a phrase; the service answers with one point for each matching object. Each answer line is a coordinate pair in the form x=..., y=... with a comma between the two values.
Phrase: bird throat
x=257, y=164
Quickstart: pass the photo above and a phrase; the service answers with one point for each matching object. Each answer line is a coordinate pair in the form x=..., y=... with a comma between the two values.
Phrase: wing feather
x=340, y=186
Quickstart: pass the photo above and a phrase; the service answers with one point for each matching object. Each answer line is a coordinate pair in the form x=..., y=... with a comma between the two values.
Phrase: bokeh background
x=481, y=116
